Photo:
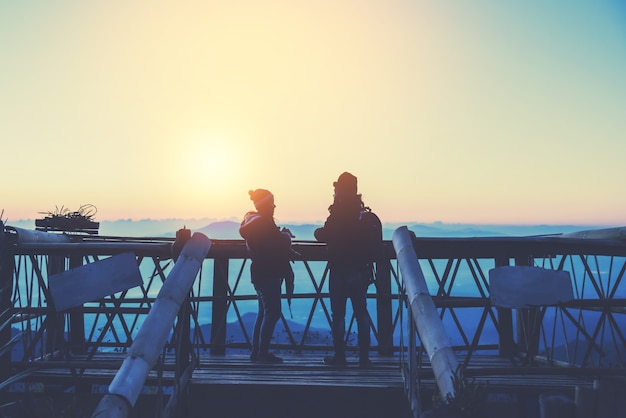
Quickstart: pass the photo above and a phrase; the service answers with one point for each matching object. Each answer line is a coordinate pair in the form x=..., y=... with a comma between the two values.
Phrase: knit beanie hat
x=346, y=184
x=261, y=198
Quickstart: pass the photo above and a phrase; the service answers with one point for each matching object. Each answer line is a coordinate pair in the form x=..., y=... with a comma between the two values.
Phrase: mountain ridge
x=229, y=228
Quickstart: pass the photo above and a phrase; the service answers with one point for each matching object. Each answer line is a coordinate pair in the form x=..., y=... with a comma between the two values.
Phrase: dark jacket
x=269, y=249
x=349, y=241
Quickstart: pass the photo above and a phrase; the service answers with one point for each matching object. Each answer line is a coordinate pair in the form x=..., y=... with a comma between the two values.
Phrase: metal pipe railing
x=147, y=346
x=424, y=313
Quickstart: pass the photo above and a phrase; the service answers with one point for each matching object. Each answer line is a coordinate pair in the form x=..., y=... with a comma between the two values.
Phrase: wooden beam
x=522, y=287
x=94, y=281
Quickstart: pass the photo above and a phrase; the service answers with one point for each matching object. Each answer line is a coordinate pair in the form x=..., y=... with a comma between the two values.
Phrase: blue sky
x=453, y=111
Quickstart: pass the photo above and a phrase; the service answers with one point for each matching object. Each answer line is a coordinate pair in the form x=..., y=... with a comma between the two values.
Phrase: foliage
x=85, y=212
x=62, y=219
x=469, y=399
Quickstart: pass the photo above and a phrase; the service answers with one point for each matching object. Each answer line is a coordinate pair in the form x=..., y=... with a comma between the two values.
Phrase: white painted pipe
x=30, y=235
x=429, y=326
x=608, y=233
x=148, y=344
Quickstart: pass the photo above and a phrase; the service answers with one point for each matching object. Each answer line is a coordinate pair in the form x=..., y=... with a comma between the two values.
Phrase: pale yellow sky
x=453, y=111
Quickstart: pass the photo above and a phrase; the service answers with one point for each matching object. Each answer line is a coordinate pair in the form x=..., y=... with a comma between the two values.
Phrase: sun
x=210, y=160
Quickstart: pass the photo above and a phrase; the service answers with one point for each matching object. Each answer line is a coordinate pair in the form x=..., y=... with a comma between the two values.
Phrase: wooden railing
x=585, y=333
x=221, y=302
x=573, y=322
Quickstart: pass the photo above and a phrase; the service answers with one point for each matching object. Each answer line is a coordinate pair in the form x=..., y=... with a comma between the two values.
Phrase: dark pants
x=347, y=284
x=268, y=293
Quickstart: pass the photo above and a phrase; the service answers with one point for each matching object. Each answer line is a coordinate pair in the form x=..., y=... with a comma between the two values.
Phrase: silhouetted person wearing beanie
x=349, y=242
x=270, y=250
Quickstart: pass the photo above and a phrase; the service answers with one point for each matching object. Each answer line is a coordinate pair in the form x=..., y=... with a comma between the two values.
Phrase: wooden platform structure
x=232, y=386
x=513, y=352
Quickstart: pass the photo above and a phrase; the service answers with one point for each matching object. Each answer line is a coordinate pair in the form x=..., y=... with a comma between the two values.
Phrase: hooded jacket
x=349, y=241
x=269, y=249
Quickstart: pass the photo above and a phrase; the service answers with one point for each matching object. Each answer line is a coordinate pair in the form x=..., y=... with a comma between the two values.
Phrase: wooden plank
x=94, y=281
x=528, y=287
x=307, y=371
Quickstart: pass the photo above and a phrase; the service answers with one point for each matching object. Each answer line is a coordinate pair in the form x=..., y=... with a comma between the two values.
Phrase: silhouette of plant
x=62, y=219
x=468, y=401
x=85, y=212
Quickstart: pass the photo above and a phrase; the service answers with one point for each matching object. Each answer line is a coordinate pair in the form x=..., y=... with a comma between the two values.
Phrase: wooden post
x=412, y=386
x=6, y=288
x=183, y=324
x=527, y=320
x=607, y=395
x=383, y=307
x=585, y=401
x=184, y=318
x=220, y=305
x=183, y=335
x=55, y=332
x=77, y=318
x=183, y=355
x=506, y=343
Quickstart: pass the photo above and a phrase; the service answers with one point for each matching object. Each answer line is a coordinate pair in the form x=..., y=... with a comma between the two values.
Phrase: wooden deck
x=297, y=370
x=300, y=387
x=233, y=386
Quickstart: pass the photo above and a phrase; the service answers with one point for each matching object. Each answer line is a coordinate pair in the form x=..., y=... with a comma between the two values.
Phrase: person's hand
x=287, y=231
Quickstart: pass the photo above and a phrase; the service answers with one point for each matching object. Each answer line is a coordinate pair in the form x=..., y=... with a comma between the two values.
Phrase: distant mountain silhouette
x=150, y=227
x=443, y=230
x=304, y=232
x=234, y=331
x=229, y=229
x=221, y=230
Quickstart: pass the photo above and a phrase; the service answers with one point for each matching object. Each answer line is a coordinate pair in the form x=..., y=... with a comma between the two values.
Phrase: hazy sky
x=455, y=111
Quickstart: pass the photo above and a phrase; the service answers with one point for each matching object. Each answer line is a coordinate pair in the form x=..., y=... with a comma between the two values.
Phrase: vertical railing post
x=383, y=306
x=76, y=335
x=182, y=340
x=183, y=322
x=506, y=343
x=413, y=385
x=7, y=263
x=55, y=331
x=527, y=319
x=220, y=305
x=183, y=332
x=177, y=404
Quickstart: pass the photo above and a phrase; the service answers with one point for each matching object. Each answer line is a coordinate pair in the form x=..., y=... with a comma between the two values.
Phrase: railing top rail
x=435, y=248
x=496, y=247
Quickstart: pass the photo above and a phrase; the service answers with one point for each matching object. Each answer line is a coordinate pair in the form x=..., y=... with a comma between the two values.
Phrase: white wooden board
x=94, y=281
x=528, y=286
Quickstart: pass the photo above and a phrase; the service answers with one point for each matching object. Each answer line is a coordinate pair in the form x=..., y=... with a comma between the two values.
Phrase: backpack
x=374, y=234
x=373, y=225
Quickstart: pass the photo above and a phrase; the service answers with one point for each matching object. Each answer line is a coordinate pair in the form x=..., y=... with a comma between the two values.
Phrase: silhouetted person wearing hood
x=270, y=250
x=350, y=244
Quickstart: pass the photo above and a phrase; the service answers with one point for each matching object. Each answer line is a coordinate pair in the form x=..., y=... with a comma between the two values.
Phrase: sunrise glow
x=483, y=112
